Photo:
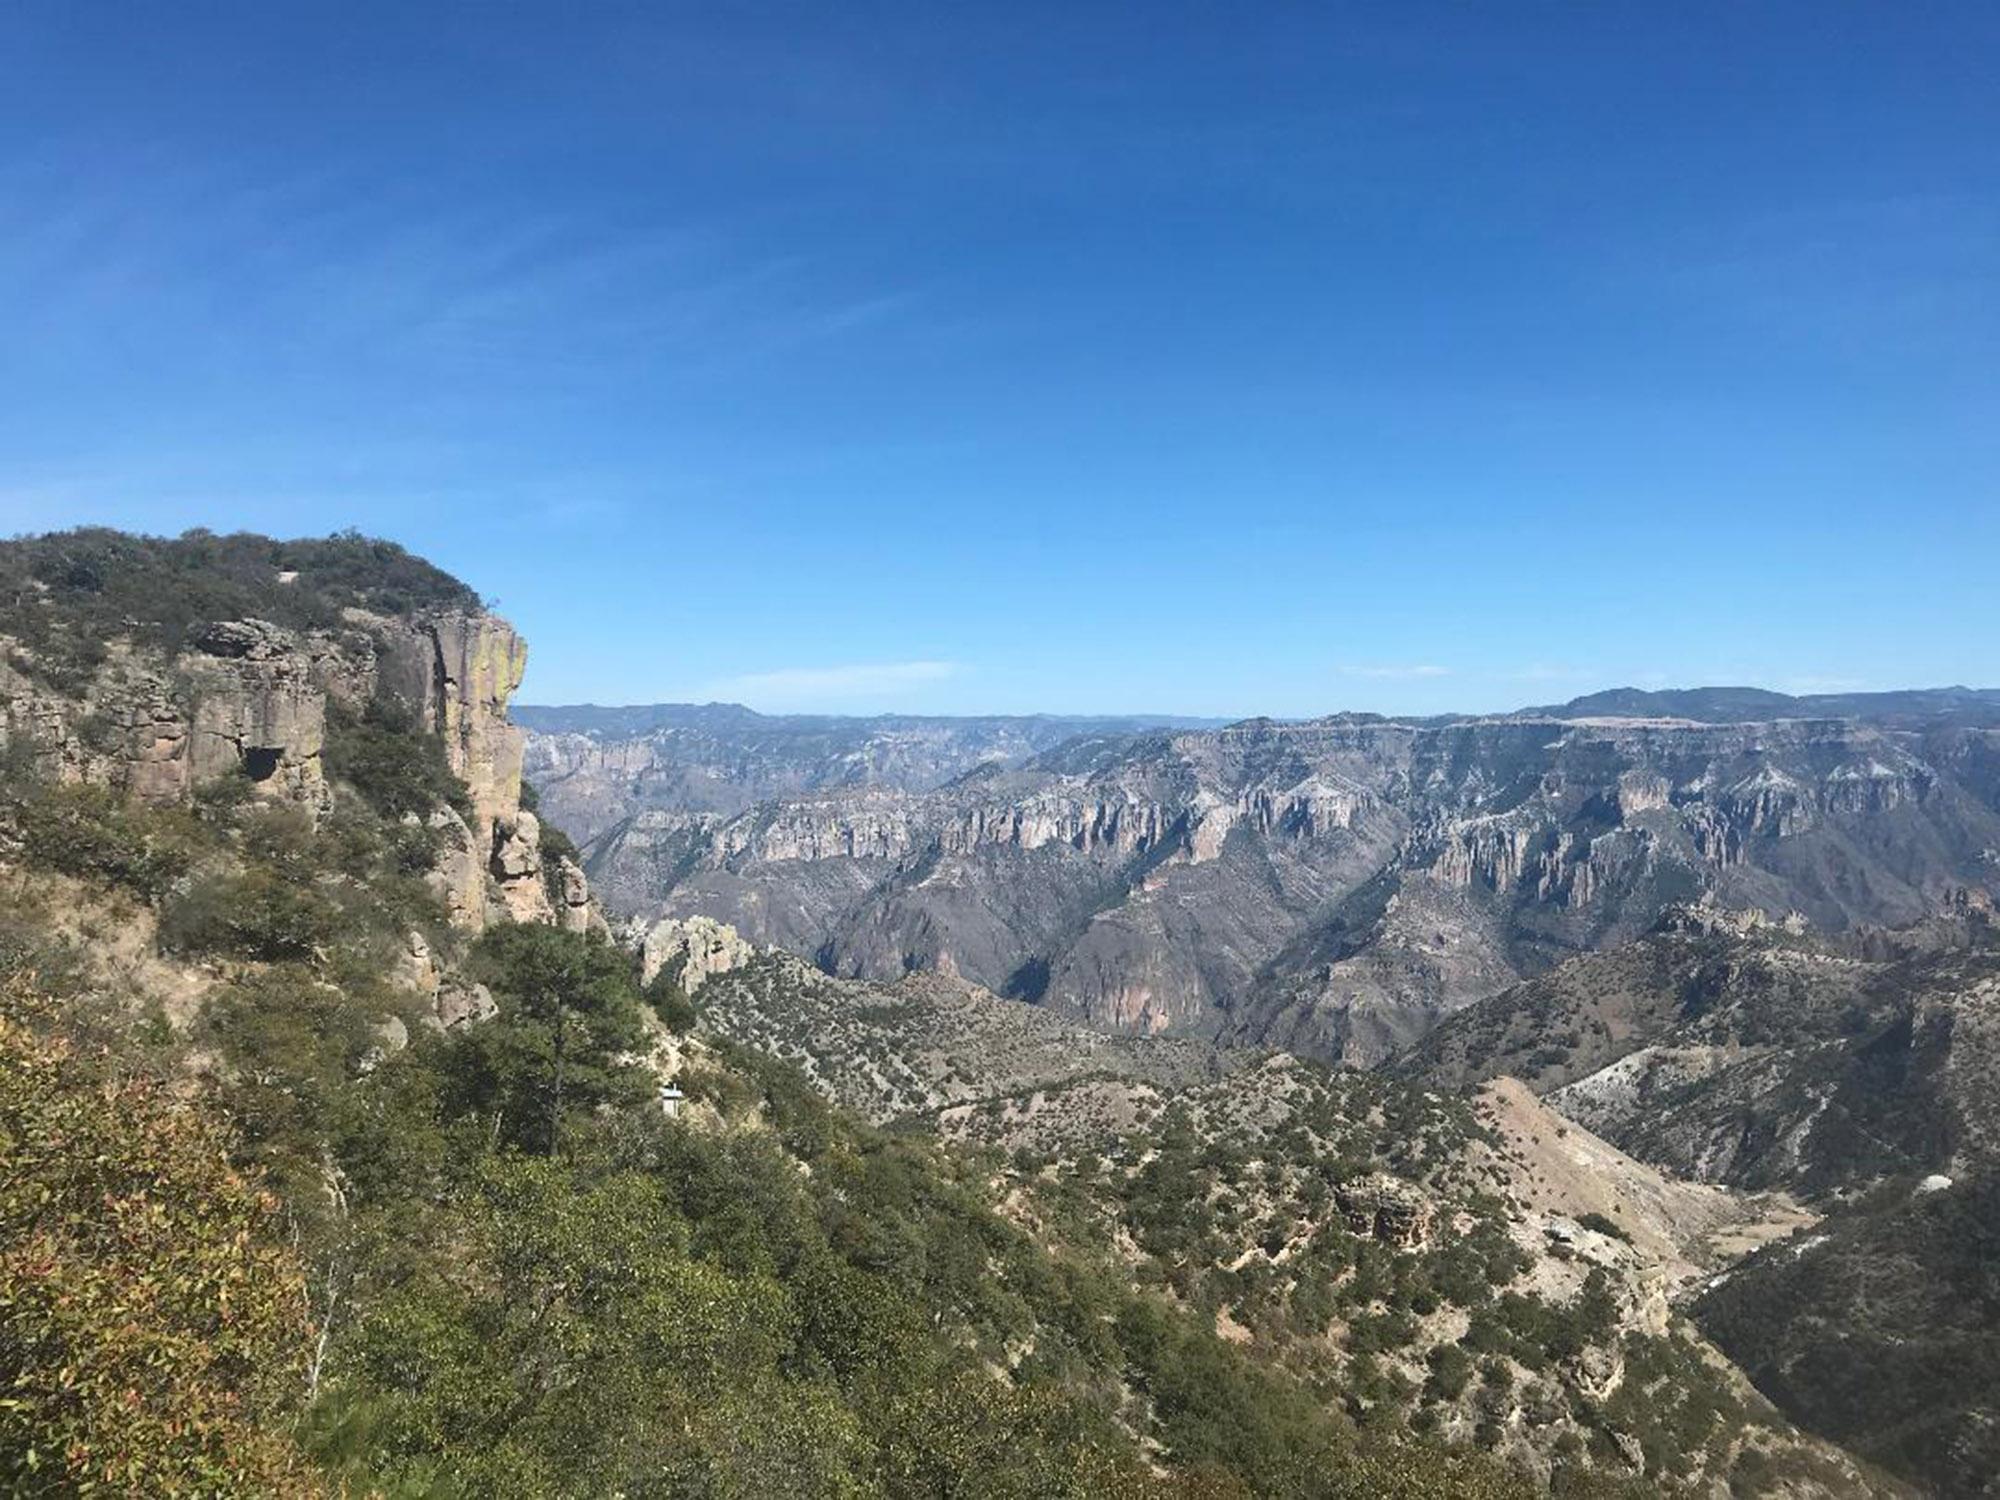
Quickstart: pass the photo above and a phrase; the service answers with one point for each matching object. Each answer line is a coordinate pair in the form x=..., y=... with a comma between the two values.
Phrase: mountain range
x=1333, y=886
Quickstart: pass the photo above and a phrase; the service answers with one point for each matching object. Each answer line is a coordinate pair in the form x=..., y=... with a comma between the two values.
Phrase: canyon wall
x=1334, y=886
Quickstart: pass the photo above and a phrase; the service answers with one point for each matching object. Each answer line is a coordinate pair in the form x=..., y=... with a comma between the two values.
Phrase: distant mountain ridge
x=643, y=718
x=1740, y=705
x=1332, y=886
x=597, y=766
x=1712, y=704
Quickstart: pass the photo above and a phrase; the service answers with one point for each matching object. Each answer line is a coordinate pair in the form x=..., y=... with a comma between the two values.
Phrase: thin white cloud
x=1397, y=673
x=849, y=681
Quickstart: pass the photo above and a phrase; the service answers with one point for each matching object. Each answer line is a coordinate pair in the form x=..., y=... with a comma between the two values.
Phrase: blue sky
x=1209, y=358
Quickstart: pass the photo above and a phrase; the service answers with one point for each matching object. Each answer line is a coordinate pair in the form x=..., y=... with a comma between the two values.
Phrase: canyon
x=1335, y=886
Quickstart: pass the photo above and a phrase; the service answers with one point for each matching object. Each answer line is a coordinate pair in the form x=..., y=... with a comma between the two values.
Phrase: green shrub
x=395, y=767
x=153, y=1321
x=1450, y=1373
x=95, y=834
x=667, y=994
x=65, y=595
x=257, y=914
x=1602, y=1225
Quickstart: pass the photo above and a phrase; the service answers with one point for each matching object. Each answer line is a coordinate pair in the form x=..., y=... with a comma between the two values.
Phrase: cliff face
x=253, y=698
x=598, y=766
x=458, y=672
x=1336, y=886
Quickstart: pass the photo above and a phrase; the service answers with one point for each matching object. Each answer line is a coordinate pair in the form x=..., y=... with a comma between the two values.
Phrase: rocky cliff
x=1334, y=886
x=111, y=675
x=598, y=766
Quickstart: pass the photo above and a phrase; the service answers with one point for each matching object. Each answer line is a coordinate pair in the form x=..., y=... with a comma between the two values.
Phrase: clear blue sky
x=1214, y=358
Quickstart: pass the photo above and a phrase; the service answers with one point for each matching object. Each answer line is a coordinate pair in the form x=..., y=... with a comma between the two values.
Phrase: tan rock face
x=458, y=672
x=516, y=868
x=257, y=710
x=242, y=698
x=703, y=946
x=458, y=878
x=250, y=697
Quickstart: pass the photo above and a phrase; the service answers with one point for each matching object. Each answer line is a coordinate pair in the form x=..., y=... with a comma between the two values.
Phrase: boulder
x=460, y=1004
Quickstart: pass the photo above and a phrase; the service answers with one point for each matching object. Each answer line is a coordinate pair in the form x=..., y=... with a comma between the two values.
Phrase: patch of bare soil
x=1554, y=1166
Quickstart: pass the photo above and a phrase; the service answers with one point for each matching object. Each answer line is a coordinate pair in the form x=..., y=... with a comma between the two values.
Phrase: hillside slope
x=1482, y=1271
x=1860, y=1073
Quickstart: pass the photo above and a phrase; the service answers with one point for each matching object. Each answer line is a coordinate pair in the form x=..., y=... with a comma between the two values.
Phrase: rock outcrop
x=252, y=698
x=699, y=948
x=460, y=1003
x=1386, y=1209
x=458, y=875
x=256, y=708
x=517, y=868
x=458, y=672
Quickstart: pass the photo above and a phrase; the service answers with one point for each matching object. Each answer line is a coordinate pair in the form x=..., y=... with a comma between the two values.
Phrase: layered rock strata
x=1334, y=886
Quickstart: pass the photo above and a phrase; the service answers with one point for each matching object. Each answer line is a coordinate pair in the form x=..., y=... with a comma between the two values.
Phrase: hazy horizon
x=1173, y=714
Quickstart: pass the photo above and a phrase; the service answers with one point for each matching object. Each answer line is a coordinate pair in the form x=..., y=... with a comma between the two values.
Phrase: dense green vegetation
x=66, y=595
x=770, y=1300
x=502, y=1271
x=153, y=1321
x=1439, y=1335
x=628, y=1304
x=393, y=767
x=1879, y=1333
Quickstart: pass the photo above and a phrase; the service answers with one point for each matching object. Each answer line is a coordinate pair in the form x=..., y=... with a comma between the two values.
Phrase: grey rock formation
x=458, y=877
x=597, y=766
x=570, y=897
x=415, y=968
x=698, y=948
x=462, y=1004
x=1336, y=886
